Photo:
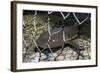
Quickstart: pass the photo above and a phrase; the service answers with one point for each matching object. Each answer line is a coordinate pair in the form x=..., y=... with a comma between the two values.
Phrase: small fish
x=46, y=52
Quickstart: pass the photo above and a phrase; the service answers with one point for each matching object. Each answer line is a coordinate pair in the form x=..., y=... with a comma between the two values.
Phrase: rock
x=35, y=57
x=60, y=58
x=85, y=52
x=43, y=56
